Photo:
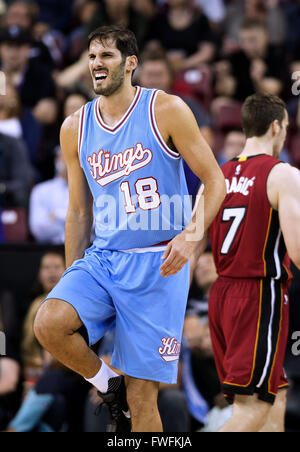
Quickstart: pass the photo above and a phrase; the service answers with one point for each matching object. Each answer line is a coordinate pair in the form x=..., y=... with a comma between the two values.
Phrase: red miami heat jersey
x=246, y=238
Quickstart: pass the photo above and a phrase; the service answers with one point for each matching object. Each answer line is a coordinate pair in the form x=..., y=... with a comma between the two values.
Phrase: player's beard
x=117, y=78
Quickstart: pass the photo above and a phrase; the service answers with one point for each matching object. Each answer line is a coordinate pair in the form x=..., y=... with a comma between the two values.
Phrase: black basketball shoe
x=115, y=400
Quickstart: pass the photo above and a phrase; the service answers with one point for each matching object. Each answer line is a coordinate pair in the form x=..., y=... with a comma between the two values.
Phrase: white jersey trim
x=113, y=130
x=81, y=130
x=268, y=358
x=155, y=129
x=151, y=249
x=276, y=256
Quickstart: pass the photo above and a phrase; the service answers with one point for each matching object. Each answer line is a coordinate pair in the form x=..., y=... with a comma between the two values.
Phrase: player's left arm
x=177, y=123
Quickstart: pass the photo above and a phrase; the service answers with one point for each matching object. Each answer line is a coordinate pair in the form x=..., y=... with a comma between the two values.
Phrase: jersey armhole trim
x=156, y=132
x=81, y=131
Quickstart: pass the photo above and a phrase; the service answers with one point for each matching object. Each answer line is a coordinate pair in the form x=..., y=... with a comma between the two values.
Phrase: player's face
x=281, y=137
x=107, y=68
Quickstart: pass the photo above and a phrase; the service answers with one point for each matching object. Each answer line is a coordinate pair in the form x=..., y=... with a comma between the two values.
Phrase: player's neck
x=115, y=106
x=256, y=146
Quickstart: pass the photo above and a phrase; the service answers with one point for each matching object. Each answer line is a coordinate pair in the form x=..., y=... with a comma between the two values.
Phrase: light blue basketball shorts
x=126, y=288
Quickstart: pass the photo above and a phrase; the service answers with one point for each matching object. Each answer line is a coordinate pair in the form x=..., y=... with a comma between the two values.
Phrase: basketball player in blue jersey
x=124, y=155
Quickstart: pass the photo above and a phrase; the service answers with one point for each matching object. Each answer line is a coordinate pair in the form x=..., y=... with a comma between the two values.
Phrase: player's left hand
x=178, y=253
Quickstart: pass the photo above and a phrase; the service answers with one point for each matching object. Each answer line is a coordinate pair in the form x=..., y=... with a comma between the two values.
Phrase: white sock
x=100, y=381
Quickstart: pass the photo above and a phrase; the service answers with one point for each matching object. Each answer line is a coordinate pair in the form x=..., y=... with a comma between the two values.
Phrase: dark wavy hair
x=124, y=39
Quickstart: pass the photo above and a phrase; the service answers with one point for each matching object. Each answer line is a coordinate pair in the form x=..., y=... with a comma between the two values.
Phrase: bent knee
x=43, y=323
x=54, y=319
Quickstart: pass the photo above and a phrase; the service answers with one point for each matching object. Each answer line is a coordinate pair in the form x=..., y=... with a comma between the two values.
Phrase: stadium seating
x=15, y=227
x=198, y=83
x=228, y=117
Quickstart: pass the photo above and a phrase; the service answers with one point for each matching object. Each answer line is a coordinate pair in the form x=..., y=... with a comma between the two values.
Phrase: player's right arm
x=79, y=219
x=284, y=195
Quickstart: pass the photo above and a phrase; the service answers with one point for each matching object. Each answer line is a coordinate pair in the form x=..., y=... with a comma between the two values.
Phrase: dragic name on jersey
x=240, y=185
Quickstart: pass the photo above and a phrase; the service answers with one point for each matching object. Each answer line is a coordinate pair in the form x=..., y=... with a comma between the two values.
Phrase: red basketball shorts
x=249, y=321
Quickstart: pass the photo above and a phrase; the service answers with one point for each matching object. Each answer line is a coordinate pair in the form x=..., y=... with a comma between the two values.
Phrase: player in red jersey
x=258, y=223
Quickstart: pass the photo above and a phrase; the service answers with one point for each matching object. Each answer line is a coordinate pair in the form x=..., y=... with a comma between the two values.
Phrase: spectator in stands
x=88, y=13
x=16, y=173
x=25, y=73
x=184, y=32
x=234, y=144
x=292, y=12
x=10, y=112
x=53, y=395
x=224, y=87
x=122, y=12
x=50, y=139
x=3, y=7
x=74, y=101
x=269, y=12
x=52, y=267
x=52, y=40
x=255, y=60
x=24, y=14
x=49, y=204
x=56, y=13
x=10, y=367
x=77, y=41
x=21, y=13
x=156, y=72
x=145, y=7
x=270, y=85
x=19, y=122
x=214, y=10
x=55, y=404
x=76, y=77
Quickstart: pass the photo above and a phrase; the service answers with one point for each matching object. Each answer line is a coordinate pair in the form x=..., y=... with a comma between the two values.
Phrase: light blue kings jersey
x=137, y=182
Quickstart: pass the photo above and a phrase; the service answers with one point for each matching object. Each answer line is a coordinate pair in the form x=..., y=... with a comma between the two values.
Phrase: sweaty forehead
x=100, y=45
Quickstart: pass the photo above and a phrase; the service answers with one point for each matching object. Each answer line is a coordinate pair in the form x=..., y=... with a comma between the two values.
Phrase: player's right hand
x=177, y=254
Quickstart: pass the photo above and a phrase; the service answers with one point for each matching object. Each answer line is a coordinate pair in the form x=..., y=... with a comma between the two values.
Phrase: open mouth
x=100, y=76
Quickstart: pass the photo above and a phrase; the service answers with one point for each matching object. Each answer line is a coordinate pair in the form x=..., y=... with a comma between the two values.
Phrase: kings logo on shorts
x=170, y=350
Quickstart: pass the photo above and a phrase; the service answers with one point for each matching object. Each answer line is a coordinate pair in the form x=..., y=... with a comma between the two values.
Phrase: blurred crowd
x=211, y=53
